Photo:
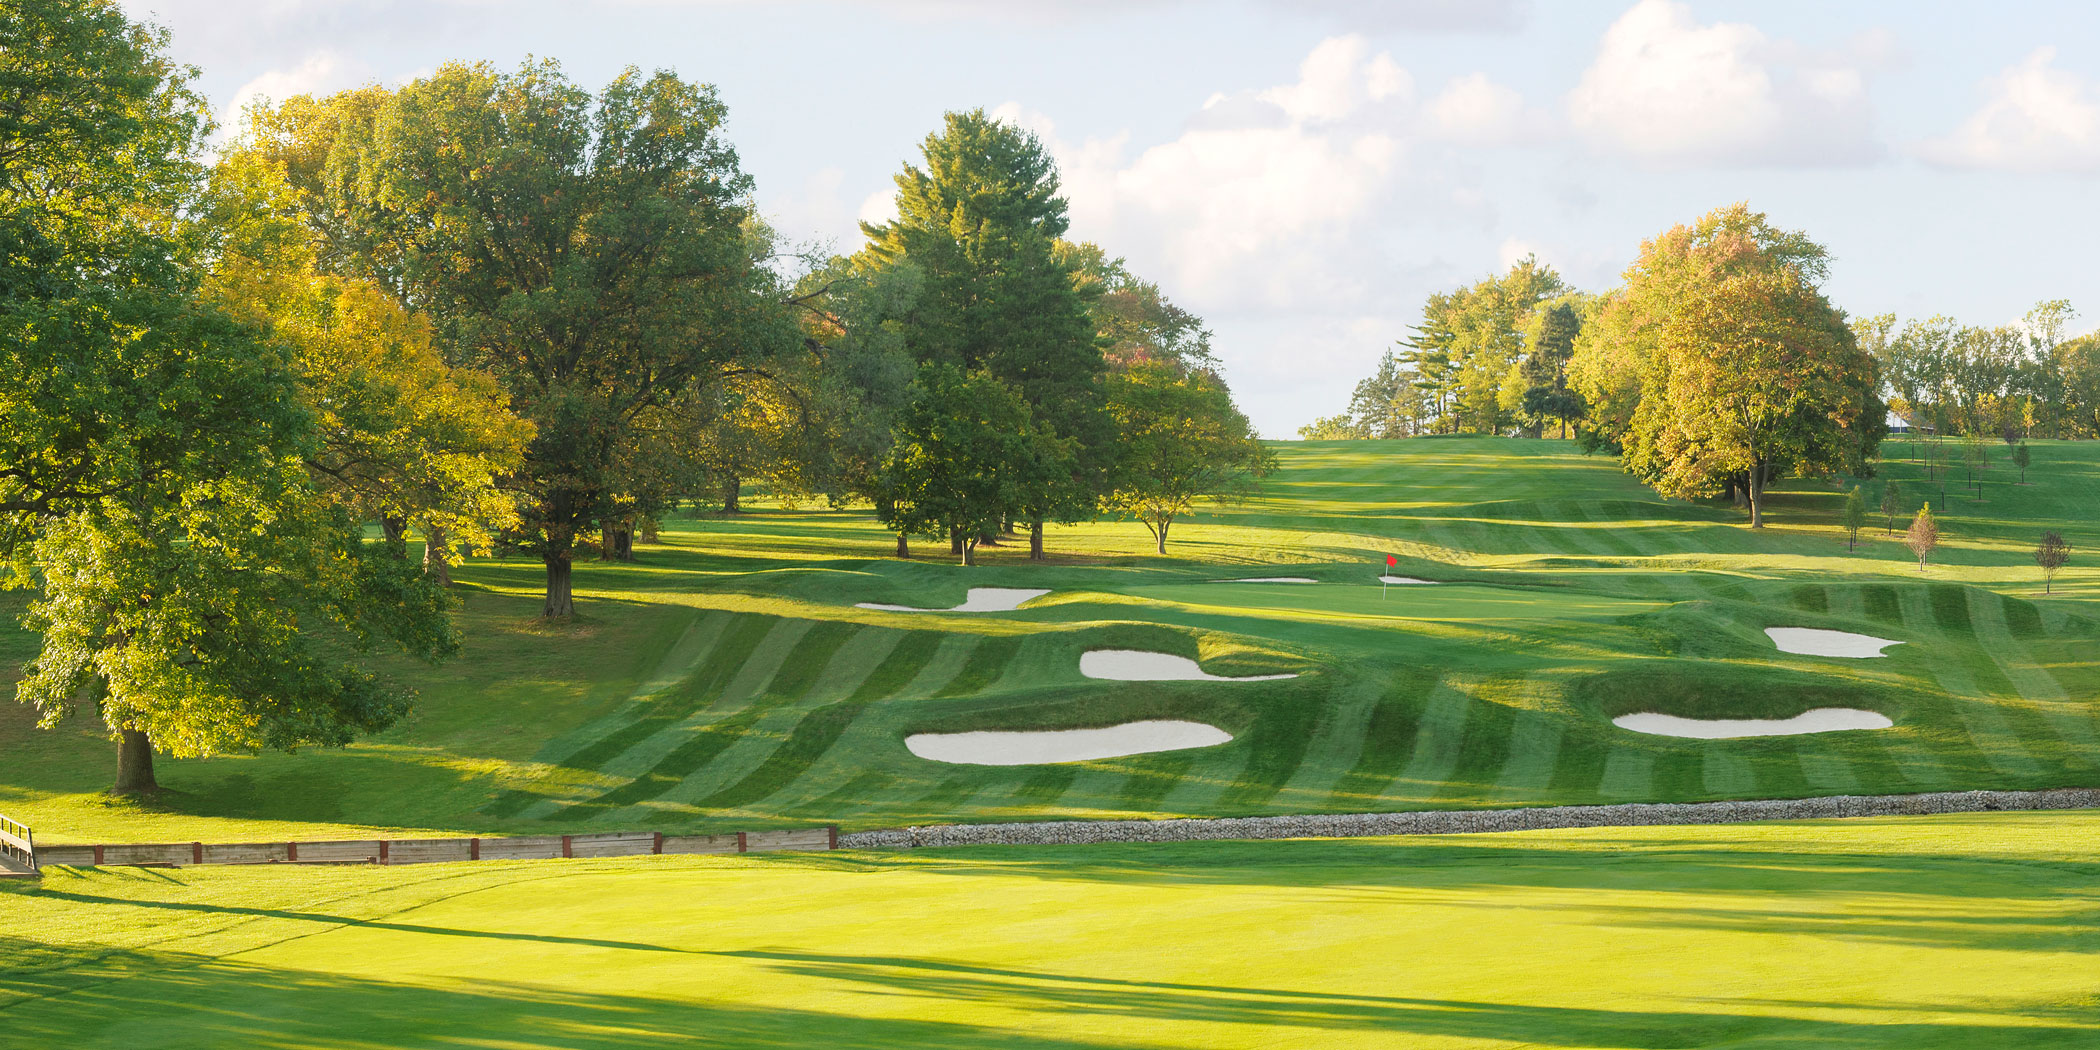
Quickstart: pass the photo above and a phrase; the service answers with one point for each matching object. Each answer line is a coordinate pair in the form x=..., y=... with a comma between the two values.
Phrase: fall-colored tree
x=1924, y=535
x=1184, y=442
x=2051, y=554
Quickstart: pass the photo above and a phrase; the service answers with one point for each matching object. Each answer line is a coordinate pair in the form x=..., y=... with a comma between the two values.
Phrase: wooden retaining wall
x=432, y=851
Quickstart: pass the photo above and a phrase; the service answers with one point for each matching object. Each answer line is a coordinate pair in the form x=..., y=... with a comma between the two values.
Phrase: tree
x=1184, y=442
x=981, y=220
x=1855, y=516
x=195, y=588
x=2051, y=554
x=591, y=252
x=965, y=449
x=1544, y=371
x=1924, y=535
x=405, y=437
x=1891, y=502
x=1720, y=366
x=2021, y=457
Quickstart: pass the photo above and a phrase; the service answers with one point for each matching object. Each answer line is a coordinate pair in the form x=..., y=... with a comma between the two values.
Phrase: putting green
x=1956, y=932
x=1460, y=603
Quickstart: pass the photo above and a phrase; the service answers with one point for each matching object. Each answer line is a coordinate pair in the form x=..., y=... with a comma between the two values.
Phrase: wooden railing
x=427, y=851
x=17, y=844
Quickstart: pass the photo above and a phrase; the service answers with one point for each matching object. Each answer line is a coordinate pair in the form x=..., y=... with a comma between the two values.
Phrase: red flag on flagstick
x=1391, y=561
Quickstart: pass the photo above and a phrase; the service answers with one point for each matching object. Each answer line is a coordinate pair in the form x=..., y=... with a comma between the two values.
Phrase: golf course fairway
x=1960, y=932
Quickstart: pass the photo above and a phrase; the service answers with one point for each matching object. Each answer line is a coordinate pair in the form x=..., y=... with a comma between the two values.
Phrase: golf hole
x=1133, y=665
x=990, y=748
x=980, y=599
x=1819, y=720
x=1810, y=641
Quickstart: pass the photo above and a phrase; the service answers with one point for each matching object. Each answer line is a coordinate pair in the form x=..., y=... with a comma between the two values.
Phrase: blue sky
x=1303, y=174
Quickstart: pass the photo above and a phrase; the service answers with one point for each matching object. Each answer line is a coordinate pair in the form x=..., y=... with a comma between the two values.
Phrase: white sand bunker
x=1402, y=579
x=1063, y=745
x=1820, y=720
x=1271, y=579
x=981, y=599
x=1132, y=665
x=1809, y=641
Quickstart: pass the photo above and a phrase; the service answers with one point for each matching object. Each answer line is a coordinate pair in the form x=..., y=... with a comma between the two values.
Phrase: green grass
x=1963, y=933
x=727, y=681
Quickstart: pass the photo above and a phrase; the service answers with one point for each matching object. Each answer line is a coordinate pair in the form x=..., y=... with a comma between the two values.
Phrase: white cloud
x=2035, y=117
x=1475, y=110
x=1267, y=199
x=1668, y=91
x=322, y=72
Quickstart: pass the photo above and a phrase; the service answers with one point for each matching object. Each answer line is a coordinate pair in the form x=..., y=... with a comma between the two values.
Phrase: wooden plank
x=613, y=844
x=522, y=847
x=797, y=839
x=245, y=853
x=134, y=853
x=427, y=851
x=340, y=852
x=69, y=856
x=687, y=844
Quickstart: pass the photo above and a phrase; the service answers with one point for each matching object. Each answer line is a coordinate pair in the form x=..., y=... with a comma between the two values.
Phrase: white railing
x=17, y=844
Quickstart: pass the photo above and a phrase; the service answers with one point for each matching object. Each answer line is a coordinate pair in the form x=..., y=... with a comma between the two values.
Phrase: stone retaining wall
x=1465, y=821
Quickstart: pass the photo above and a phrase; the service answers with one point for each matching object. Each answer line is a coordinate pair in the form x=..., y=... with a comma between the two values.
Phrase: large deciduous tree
x=1184, y=442
x=591, y=252
x=1720, y=366
x=965, y=450
x=195, y=587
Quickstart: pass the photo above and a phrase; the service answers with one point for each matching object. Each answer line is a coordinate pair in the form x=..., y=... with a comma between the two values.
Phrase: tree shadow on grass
x=171, y=1000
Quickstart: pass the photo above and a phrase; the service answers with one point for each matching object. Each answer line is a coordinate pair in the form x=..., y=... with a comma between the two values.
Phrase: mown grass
x=1964, y=933
x=726, y=680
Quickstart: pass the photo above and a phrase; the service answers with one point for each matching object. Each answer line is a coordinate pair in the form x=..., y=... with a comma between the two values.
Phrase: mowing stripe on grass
x=1143, y=787
x=811, y=738
x=946, y=662
x=987, y=662
x=767, y=660
x=1389, y=736
x=725, y=658
x=1048, y=783
x=910, y=655
x=1534, y=747
x=2044, y=695
x=1626, y=774
x=1722, y=772
x=1484, y=745
x=1437, y=737
x=1278, y=741
x=1824, y=767
x=1338, y=738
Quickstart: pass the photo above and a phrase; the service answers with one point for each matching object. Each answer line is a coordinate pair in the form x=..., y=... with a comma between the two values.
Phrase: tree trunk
x=969, y=551
x=1757, y=496
x=561, y=603
x=1035, y=540
x=134, y=764
x=616, y=543
x=1164, y=524
x=393, y=527
x=731, y=491
x=645, y=530
x=437, y=561
x=903, y=546
x=988, y=539
x=955, y=541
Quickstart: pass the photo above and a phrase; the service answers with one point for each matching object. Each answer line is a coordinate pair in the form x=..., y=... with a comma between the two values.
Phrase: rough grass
x=1967, y=932
x=726, y=680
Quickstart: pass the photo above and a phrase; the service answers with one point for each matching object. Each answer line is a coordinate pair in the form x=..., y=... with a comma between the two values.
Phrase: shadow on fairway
x=167, y=1000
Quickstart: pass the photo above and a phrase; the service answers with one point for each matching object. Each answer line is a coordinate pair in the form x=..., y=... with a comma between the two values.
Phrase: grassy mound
x=727, y=681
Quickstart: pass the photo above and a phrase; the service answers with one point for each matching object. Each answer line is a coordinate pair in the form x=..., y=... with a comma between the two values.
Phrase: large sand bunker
x=1402, y=579
x=981, y=599
x=1063, y=745
x=1810, y=641
x=1132, y=665
x=1820, y=720
x=1271, y=579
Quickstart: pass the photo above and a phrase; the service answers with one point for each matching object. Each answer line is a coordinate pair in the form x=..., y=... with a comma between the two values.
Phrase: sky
x=1304, y=174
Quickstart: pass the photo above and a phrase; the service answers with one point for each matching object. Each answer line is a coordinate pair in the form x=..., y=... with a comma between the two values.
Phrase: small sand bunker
x=1271, y=579
x=1820, y=720
x=981, y=599
x=1810, y=641
x=1133, y=665
x=1063, y=745
x=1402, y=579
